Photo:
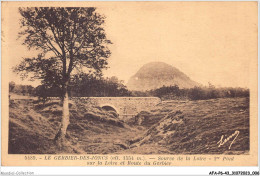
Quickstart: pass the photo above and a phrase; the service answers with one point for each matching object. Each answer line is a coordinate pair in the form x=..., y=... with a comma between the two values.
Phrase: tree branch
x=46, y=38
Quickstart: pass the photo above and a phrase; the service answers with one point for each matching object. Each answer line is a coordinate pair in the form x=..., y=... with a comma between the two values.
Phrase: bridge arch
x=109, y=107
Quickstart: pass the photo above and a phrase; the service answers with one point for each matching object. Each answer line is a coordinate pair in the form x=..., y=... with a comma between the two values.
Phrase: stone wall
x=126, y=107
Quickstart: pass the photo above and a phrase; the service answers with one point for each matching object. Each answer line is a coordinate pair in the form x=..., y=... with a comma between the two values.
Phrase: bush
x=198, y=93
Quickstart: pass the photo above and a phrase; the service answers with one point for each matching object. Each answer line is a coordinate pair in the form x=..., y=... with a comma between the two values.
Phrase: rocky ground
x=172, y=127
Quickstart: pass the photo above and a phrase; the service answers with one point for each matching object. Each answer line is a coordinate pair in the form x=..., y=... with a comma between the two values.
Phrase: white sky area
x=210, y=42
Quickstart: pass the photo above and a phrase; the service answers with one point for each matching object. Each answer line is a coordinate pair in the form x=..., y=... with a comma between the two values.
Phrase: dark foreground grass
x=196, y=127
x=173, y=127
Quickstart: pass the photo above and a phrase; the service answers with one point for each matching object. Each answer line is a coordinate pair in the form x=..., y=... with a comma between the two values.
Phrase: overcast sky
x=209, y=41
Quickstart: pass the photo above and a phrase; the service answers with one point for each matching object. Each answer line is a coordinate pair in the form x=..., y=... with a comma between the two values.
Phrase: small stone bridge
x=126, y=107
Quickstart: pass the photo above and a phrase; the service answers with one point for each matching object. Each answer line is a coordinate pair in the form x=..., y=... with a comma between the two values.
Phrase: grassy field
x=172, y=127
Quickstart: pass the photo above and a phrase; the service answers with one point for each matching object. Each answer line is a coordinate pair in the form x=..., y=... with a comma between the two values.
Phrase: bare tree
x=69, y=40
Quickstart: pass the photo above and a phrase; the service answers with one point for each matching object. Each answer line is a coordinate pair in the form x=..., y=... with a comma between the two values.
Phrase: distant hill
x=157, y=74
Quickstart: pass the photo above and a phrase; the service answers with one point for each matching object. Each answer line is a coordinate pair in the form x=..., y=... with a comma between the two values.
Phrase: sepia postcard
x=129, y=83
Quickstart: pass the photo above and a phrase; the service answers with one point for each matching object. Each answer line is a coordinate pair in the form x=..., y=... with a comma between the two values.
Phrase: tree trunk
x=60, y=138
